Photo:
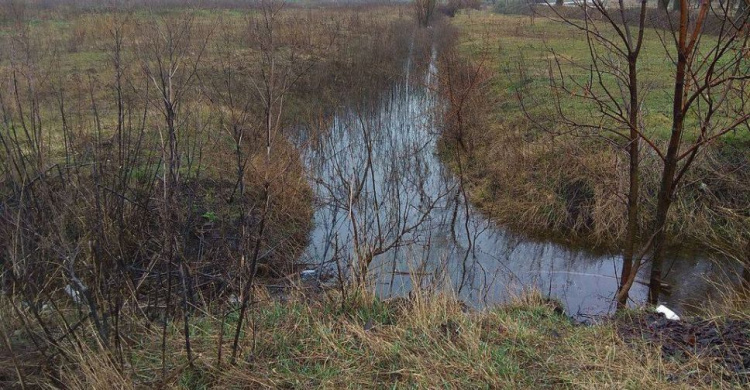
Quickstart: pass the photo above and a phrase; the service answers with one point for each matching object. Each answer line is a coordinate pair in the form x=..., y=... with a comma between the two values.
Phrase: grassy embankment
x=522, y=174
x=428, y=341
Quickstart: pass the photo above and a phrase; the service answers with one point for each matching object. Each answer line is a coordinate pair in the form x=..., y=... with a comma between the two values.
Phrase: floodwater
x=380, y=185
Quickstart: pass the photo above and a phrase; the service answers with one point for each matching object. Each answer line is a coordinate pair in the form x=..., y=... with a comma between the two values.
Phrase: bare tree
x=614, y=43
x=280, y=65
x=424, y=11
x=709, y=89
x=101, y=210
x=170, y=58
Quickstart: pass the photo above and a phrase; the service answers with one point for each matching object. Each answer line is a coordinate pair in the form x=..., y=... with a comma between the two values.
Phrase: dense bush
x=451, y=7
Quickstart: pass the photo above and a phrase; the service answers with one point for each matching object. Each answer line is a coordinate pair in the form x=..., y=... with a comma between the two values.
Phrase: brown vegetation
x=148, y=172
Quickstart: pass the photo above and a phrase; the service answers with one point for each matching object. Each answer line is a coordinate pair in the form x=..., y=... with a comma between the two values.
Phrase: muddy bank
x=723, y=341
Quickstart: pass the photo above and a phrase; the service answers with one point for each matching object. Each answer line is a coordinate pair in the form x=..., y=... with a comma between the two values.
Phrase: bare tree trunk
x=746, y=268
x=666, y=188
x=633, y=230
x=627, y=47
x=272, y=90
x=171, y=65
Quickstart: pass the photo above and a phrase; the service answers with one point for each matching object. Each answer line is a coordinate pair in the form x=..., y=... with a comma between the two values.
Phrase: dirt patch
x=726, y=342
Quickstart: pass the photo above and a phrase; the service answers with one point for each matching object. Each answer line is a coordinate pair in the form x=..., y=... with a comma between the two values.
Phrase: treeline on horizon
x=107, y=4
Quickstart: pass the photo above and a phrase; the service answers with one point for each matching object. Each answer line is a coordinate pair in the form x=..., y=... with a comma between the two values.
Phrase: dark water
x=379, y=162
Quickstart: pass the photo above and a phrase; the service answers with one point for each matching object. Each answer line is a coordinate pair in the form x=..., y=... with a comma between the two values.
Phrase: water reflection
x=381, y=189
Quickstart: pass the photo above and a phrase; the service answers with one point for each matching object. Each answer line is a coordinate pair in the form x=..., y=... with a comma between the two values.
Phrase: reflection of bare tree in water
x=376, y=188
x=389, y=213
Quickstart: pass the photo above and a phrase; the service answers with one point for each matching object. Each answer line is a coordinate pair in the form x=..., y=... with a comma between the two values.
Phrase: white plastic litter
x=73, y=293
x=667, y=313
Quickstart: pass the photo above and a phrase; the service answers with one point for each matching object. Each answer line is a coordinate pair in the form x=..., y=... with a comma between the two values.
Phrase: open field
x=522, y=159
x=522, y=49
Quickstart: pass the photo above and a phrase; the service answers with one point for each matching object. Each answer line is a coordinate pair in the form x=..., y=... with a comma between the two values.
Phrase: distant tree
x=424, y=10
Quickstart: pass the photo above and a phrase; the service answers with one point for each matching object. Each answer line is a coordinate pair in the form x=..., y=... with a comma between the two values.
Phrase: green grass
x=429, y=341
x=522, y=52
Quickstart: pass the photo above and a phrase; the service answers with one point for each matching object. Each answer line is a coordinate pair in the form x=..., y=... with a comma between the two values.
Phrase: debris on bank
x=727, y=341
x=668, y=313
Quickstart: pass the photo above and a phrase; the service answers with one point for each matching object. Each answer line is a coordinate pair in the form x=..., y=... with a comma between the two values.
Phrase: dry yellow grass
x=428, y=341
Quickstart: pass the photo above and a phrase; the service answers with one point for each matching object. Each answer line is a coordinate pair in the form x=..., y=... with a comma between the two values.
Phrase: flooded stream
x=380, y=187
